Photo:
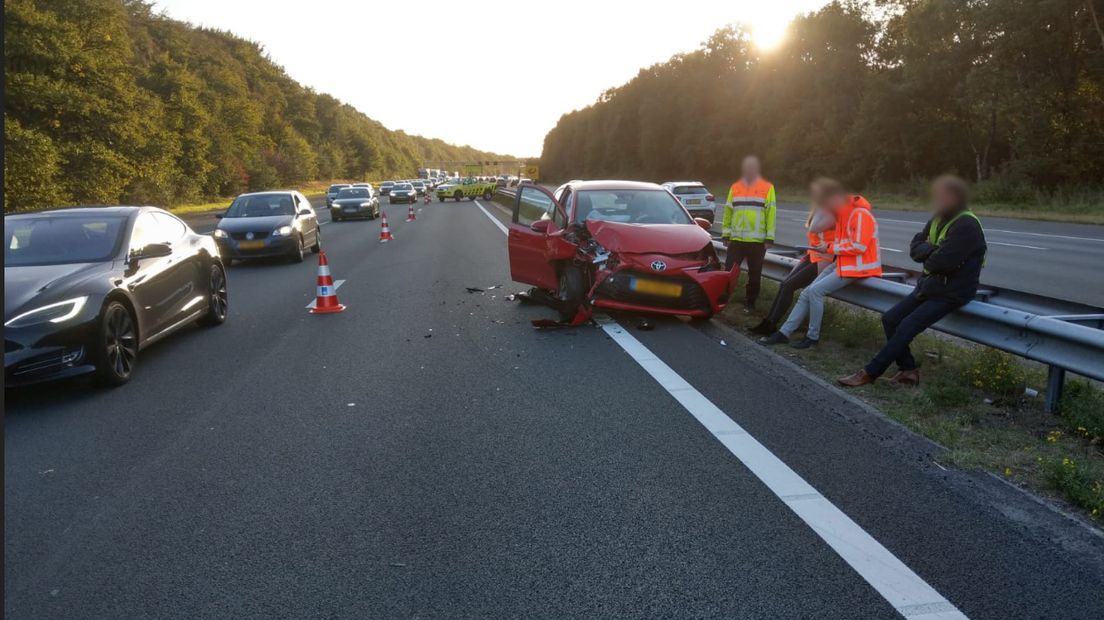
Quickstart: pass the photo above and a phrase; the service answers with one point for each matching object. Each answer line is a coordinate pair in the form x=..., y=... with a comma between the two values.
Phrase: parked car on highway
x=696, y=197
x=355, y=202
x=632, y=244
x=419, y=187
x=385, y=187
x=86, y=289
x=403, y=192
x=331, y=193
x=266, y=224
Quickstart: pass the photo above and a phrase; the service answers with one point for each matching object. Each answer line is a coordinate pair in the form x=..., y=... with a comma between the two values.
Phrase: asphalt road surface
x=428, y=454
x=1064, y=261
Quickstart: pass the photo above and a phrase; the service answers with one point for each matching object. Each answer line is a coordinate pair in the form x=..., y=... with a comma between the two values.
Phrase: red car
x=621, y=245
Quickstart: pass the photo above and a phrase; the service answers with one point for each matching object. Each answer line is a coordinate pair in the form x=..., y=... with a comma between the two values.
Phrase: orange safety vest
x=816, y=239
x=856, y=244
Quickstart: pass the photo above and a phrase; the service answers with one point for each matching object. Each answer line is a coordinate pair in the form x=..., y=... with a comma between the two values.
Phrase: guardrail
x=1065, y=336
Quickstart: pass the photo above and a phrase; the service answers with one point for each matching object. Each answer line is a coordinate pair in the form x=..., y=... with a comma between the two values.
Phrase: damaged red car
x=619, y=245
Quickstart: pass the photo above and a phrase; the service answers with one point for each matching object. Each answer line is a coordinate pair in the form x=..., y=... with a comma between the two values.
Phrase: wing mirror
x=304, y=211
x=152, y=250
x=704, y=223
x=540, y=226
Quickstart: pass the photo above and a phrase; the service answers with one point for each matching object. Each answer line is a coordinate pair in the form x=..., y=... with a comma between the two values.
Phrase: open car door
x=536, y=216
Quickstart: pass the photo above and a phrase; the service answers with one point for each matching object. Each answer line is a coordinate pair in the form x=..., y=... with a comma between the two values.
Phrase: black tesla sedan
x=268, y=224
x=402, y=192
x=86, y=289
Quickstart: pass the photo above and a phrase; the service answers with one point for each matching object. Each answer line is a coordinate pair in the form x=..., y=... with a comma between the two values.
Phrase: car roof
x=275, y=192
x=611, y=185
x=684, y=183
x=85, y=210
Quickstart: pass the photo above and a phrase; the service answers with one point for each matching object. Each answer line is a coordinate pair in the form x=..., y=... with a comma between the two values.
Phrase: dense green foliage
x=107, y=102
x=1006, y=92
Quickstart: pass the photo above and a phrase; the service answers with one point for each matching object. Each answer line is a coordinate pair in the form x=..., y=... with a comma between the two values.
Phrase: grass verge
x=1078, y=207
x=971, y=400
x=309, y=190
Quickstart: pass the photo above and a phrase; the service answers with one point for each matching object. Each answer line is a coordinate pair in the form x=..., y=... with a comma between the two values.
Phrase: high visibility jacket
x=816, y=239
x=749, y=212
x=856, y=245
x=937, y=230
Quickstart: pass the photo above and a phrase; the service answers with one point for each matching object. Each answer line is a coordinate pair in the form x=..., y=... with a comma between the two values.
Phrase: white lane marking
x=1016, y=245
x=910, y=595
x=494, y=219
x=337, y=285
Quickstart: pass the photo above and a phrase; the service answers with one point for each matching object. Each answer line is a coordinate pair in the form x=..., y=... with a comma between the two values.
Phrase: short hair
x=824, y=188
x=954, y=184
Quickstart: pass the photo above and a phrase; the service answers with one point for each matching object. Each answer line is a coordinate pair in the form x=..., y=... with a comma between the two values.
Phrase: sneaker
x=805, y=343
x=775, y=338
x=764, y=328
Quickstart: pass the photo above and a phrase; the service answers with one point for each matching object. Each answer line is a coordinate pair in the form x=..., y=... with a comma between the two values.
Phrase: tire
x=218, y=302
x=117, y=345
x=336, y=218
x=298, y=254
x=317, y=247
x=457, y=195
x=487, y=195
x=572, y=290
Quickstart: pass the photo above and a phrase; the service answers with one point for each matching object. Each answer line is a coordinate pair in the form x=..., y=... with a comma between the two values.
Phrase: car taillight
x=710, y=198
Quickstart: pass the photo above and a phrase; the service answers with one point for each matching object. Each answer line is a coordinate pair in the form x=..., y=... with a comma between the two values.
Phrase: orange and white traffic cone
x=326, y=301
x=410, y=217
x=385, y=230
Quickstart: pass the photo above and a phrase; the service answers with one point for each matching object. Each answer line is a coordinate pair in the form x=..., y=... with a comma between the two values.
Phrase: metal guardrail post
x=1056, y=378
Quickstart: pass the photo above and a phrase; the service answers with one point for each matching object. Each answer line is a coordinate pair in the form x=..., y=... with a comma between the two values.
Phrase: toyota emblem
x=250, y=236
x=658, y=265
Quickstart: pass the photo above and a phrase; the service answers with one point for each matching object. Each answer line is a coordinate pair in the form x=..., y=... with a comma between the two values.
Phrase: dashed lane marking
x=906, y=591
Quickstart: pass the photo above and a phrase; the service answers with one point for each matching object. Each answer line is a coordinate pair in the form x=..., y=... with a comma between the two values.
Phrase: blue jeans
x=903, y=323
x=810, y=303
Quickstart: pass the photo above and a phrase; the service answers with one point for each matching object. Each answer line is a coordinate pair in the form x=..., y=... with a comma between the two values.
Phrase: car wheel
x=457, y=195
x=487, y=195
x=117, y=346
x=298, y=254
x=218, y=302
x=317, y=247
x=336, y=218
x=571, y=292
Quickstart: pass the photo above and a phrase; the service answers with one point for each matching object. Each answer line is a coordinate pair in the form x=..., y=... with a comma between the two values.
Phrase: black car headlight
x=54, y=313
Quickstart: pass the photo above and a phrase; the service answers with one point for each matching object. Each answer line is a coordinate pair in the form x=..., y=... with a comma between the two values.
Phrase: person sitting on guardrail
x=820, y=227
x=857, y=256
x=952, y=248
x=748, y=225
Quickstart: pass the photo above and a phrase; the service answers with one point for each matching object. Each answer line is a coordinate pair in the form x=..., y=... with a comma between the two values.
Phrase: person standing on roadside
x=820, y=227
x=856, y=254
x=748, y=226
x=952, y=248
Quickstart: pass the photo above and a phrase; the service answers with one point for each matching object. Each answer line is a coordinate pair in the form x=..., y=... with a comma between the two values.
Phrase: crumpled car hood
x=649, y=238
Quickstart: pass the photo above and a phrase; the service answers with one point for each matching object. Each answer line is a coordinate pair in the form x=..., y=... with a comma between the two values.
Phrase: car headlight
x=54, y=313
x=365, y=204
x=219, y=234
x=282, y=231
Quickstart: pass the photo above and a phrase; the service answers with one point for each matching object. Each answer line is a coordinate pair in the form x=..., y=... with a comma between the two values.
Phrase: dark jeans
x=902, y=323
x=753, y=254
x=800, y=276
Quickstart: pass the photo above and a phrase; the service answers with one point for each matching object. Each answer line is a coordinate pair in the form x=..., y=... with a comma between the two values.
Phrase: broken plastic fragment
x=724, y=344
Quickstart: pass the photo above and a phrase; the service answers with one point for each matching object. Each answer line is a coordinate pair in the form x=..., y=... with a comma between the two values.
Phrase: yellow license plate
x=693, y=201
x=655, y=287
x=251, y=245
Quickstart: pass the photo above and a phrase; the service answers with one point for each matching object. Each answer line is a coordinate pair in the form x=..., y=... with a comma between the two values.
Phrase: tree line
x=108, y=102
x=1008, y=93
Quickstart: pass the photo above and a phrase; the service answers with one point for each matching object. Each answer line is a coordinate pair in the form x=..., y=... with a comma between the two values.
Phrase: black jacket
x=952, y=268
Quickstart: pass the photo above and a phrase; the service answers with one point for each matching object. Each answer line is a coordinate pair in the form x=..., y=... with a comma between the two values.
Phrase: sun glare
x=768, y=33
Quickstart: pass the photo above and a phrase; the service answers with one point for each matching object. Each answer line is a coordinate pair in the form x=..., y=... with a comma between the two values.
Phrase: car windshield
x=58, y=240
x=419, y=184
x=261, y=205
x=354, y=192
x=680, y=190
x=403, y=186
x=647, y=206
x=335, y=188
x=388, y=183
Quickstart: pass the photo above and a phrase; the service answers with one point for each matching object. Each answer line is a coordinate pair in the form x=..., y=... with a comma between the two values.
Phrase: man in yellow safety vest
x=748, y=227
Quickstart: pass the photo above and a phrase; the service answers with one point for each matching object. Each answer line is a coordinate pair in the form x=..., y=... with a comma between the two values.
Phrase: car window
x=533, y=204
x=261, y=205
x=680, y=190
x=52, y=240
x=354, y=192
x=169, y=228
x=145, y=232
x=629, y=206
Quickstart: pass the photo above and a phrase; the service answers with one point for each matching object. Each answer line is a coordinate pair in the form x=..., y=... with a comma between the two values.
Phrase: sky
x=493, y=74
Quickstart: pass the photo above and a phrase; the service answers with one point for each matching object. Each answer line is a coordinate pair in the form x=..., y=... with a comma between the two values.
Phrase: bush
x=1076, y=484
x=996, y=372
x=1082, y=408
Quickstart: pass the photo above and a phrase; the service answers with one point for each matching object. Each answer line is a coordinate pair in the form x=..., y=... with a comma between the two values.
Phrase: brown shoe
x=856, y=380
x=908, y=378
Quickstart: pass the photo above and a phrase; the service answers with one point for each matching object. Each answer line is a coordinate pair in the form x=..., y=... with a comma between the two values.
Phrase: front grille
x=616, y=287
x=240, y=236
x=48, y=362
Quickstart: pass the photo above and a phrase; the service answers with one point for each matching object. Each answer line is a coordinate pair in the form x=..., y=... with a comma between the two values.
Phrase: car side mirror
x=219, y=216
x=540, y=226
x=152, y=250
x=304, y=211
x=704, y=223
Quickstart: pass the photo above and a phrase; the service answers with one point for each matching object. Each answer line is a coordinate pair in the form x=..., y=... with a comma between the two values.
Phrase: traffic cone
x=326, y=301
x=385, y=230
x=410, y=217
